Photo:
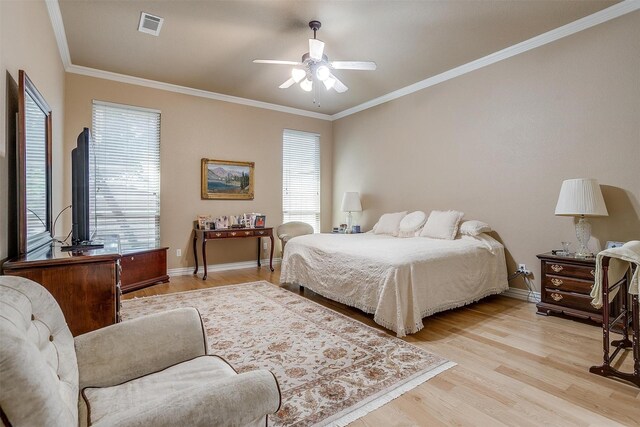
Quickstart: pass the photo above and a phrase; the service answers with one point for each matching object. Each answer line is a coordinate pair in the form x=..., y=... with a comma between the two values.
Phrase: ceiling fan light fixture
x=316, y=49
x=306, y=85
x=323, y=72
x=329, y=82
x=298, y=74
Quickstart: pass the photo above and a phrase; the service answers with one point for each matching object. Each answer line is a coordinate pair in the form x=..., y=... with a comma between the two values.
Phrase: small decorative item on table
x=261, y=220
x=611, y=245
x=355, y=229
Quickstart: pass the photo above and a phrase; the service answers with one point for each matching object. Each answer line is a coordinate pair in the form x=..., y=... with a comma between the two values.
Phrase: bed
x=399, y=280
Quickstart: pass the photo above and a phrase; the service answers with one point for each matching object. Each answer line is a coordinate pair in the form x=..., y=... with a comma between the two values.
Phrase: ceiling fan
x=316, y=67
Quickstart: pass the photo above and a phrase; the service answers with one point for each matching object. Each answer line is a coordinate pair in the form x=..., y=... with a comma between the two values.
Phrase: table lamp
x=582, y=198
x=351, y=203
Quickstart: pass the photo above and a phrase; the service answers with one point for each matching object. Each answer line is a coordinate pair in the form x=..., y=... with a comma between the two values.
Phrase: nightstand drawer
x=569, y=300
x=568, y=284
x=569, y=270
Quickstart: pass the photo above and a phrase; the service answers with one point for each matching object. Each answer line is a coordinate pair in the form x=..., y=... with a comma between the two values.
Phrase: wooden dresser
x=86, y=284
x=566, y=285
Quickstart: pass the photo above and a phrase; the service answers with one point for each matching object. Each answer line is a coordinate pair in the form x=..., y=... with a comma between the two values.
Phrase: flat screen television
x=80, y=202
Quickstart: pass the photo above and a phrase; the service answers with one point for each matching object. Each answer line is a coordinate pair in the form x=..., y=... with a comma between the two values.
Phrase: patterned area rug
x=332, y=369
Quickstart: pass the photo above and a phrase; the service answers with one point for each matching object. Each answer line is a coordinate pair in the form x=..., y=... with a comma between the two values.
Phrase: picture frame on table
x=222, y=222
x=226, y=180
x=203, y=221
x=261, y=221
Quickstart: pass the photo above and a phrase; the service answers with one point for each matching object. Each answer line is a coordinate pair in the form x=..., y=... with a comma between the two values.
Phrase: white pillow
x=442, y=225
x=389, y=223
x=474, y=227
x=412, y=223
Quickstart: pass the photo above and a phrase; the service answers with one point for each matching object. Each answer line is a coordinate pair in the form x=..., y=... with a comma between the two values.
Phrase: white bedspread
x=399, y=280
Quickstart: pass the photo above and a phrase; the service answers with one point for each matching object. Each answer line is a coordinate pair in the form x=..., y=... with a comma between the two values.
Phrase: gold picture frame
x=226, y=180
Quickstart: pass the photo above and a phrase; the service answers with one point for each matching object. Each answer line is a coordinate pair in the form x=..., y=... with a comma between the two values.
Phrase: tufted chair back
x=38, y=367
x=289, y=230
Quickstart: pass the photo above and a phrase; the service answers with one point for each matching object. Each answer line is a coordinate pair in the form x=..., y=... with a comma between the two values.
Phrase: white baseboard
x=187, y=271
x=522, y=294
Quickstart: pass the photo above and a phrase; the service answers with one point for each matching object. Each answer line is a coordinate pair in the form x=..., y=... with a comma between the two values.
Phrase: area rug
x=332, y=369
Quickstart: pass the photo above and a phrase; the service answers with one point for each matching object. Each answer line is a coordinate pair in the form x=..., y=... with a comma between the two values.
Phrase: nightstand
x=566, y=283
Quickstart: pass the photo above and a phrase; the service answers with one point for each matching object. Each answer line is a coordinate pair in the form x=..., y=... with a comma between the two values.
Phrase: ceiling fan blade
x=354, y=65
x=287, y=84
x=339, y=86
x=316, y=49
x=275, y=61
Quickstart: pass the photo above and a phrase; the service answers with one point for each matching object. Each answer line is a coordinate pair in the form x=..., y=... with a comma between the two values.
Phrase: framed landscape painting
x=225, y=179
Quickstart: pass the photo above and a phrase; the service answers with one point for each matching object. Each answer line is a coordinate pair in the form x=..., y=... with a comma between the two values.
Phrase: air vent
x=150, y=24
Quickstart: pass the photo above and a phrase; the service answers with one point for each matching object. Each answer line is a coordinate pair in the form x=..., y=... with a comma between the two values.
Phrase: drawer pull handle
x=556, y=282
x=233, y=233
x=218, y=234
x=593, y=273
x=556, y=297
x=246, y=233
x=557, y=268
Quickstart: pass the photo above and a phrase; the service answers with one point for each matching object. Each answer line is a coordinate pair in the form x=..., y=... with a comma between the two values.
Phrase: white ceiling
x=210, y=45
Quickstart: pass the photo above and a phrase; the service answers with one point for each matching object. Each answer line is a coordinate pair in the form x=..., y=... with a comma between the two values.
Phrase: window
x=125, y=162
x=301, y=177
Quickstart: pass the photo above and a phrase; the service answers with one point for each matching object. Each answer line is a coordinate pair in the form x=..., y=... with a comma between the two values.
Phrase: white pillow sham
x=389, y=223
x=442, y=225
x=411, y=223
x=474, y=227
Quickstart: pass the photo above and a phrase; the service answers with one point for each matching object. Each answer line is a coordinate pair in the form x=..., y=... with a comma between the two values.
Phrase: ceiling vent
x=150, y=24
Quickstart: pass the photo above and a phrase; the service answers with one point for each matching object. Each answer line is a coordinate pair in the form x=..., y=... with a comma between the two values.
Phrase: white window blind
x=301, y=177
x=125, y=158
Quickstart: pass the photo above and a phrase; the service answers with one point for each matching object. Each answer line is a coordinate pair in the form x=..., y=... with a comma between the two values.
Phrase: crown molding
x=123, y=78
x=58, y=30
x=612, y=12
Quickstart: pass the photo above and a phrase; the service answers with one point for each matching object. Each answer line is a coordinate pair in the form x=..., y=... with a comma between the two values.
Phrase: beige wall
x=27, y=42
x=498, y=142
x=193, y=128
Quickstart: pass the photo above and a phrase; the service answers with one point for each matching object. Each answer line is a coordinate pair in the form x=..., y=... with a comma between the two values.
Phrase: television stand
x=80, y=247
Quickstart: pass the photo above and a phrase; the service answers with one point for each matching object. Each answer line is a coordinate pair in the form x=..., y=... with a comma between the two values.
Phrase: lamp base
x=349, y=222
x=583, y=234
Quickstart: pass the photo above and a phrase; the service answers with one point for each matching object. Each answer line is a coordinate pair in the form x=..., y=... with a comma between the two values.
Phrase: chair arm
x=238, y=400
x=127, y=350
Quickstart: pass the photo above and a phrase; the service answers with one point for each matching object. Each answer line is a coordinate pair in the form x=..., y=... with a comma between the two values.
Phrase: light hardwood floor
x=514, y=367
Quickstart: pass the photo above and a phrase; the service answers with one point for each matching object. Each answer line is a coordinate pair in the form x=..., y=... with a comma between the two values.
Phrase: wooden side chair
x=627, y=323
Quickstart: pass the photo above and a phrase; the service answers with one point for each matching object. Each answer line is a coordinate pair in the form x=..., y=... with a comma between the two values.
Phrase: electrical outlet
x=523, y=269
x=265, y=245
x=178, y=252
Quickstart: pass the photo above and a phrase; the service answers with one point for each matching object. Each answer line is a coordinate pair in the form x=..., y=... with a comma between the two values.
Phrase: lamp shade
x=581, y=197
x=351, y=202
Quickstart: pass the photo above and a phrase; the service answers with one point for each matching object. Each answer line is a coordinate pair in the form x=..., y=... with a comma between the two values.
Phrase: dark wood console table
x=231, y=233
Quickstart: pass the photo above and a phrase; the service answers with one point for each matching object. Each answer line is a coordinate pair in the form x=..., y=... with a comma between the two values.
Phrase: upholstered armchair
x=153, y=370
x=289, y=230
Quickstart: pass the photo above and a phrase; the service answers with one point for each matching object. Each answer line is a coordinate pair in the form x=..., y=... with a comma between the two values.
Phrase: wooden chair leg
x=605, y=369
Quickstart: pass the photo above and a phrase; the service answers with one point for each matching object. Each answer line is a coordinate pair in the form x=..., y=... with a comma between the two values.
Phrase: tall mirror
x=34, y=167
